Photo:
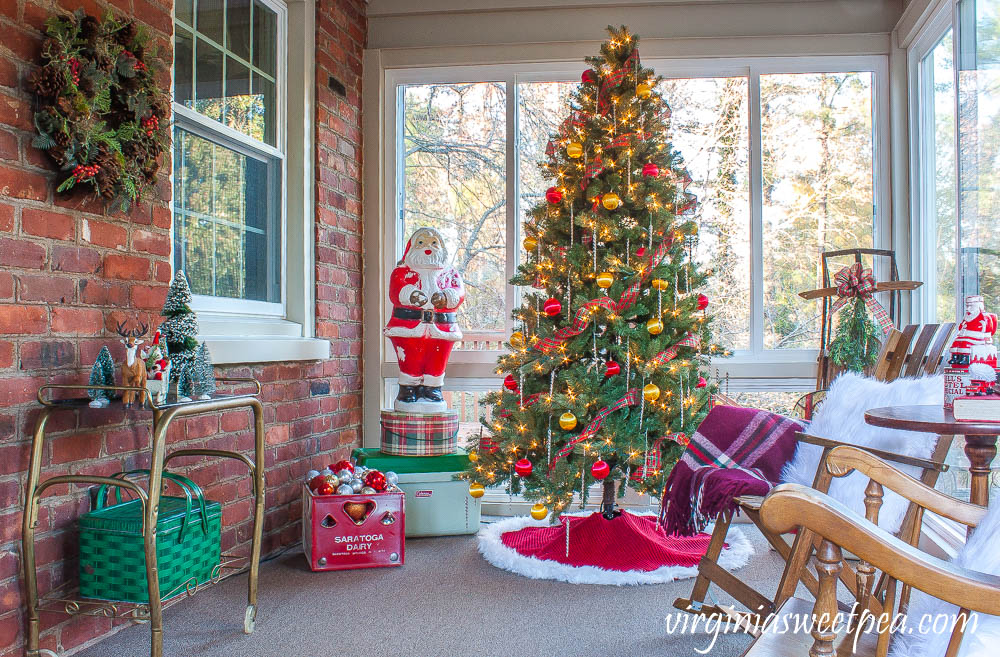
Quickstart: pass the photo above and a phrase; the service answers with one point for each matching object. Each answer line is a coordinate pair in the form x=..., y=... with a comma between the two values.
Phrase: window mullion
x=956, y=41
x=511, y=189
x=756, y=216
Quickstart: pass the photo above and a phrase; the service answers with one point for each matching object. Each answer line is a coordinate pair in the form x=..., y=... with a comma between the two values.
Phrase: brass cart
x=163, y=414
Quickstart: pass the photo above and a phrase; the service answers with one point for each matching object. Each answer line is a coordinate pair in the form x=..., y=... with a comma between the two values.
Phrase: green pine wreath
x=101, y=115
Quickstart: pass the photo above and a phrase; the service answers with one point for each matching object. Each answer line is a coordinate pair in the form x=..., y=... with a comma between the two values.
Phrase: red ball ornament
x=376, y=480
x=650, y=170
x=701, y=382
x=523, y=468
x=588, y=76
x=317, y=482
x=612, y=368
x=343, y=464
x=325, y=489
x=553, y=195
x=552, y=307
x=702, y=302
x=640, y=252
x=510, y=383
x=600, y=469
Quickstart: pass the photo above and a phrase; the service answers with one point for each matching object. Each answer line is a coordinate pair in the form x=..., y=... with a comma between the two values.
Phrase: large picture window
x=786, y=157
x=229, y=156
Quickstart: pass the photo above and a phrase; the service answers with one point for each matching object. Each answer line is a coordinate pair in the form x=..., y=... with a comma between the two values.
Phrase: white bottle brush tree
x=180, y=329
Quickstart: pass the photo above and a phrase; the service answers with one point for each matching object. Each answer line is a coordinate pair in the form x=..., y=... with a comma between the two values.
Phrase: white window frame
x=754, y=369
x=240, y=331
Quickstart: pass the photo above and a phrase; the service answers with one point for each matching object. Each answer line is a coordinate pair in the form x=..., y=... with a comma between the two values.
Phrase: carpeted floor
x=445, y=602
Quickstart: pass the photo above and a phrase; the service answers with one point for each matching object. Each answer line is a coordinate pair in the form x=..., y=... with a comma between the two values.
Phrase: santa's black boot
x=431, y=394
x=408, y=394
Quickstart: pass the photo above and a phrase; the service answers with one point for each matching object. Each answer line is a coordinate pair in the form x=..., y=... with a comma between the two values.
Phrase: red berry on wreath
x=552, y=307
x=600, y=469
x=612, y=369
x=553, y=195
x=510, y=383
x=376, y=480
x=523, y=468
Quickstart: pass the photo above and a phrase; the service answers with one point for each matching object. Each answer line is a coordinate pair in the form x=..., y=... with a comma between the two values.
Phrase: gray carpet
x=446, y=601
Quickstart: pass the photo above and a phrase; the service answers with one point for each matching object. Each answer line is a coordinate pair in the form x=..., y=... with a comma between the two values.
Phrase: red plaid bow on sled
x=856, y=282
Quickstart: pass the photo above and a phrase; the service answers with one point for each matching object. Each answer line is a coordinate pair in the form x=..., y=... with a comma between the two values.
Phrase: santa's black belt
x=424, y=315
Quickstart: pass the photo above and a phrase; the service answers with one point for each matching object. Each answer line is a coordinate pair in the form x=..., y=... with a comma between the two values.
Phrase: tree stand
x=608, y=502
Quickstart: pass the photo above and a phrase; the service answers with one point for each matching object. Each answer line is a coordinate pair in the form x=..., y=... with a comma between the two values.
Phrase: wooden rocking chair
x=830, y=528
x=895, y=360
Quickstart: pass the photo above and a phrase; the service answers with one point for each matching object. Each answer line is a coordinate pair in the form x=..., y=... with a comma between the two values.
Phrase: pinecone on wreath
x=46, y=82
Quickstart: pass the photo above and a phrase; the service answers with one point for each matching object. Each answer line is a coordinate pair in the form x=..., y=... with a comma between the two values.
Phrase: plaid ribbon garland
x=630, y=399
x=614, y=79
x=654, y=462
x=594, y=167
x=530, y=399
x=856, y=282
x=689, y=340
x=575, y=118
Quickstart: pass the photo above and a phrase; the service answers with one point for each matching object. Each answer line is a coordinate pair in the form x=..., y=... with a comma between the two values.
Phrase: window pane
x=979, y=140
x=818, y=184
x=226, y=234
x=184, y=11
x=542, y=106
x=454, y=144
x=937, y=73
x=208, y=95
x=709, y=127
x=262, y=119
x=265, y=38
x=211, y=19
x=238, y=28
x=183, y=71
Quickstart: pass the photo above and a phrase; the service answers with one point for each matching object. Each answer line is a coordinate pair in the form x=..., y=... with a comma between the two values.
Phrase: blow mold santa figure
x=425, y=291
x=973, y=352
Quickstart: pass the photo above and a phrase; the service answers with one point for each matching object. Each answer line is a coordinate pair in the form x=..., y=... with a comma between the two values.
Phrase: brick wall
x=69, y=272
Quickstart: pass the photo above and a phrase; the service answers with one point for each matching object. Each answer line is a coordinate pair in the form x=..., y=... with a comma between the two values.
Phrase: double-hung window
x=787, y=157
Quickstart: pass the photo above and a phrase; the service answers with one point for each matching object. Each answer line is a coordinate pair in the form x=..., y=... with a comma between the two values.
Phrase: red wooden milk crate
x=332, y=540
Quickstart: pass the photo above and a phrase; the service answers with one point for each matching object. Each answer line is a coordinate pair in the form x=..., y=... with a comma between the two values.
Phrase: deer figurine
x=133, y=368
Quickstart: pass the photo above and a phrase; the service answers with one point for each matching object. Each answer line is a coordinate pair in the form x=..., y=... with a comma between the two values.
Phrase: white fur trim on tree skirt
x=494, y=551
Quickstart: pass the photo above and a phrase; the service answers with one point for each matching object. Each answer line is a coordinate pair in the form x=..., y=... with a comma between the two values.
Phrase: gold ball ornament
x=654, y=325
x=659, y=284
x=567, y=421
x=476, y=490
x=611, y=201
x=530, y=243
x=574, y=149
x=651, y=392
x=473, y=456
x=643, y=90
x=605, y=279
x=538, y=511
x=517, y=340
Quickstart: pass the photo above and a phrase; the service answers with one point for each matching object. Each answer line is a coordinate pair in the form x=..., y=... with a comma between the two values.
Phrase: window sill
x=227, y=350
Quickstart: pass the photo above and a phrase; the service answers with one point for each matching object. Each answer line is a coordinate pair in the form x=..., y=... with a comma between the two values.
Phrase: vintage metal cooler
x=437, y=504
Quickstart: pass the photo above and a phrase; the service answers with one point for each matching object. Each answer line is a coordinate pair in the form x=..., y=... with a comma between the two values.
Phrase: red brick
x=8, y=141
x=78, y=321
x=235, y=421
x=6, y=286
x=21, y=253
x=44, y=287
x=17, y=183
x=8, y=72
x=47, y=354
x=162, y=217
x=149, y=242
x=17, y=390
x=44, y=223
x=164, y=272
x=104, y=234
x=103, y=293
x=19, y=320
x=6, y=217
x=202, y=426
x=10, y=627
x=35, y=16
x=148, y=297
x=6, y=354
x=24, y=44
x=75, y=259
x=76, y=447
x=154, y=15
x=126, y=267
x=276, y=434
x=15, y=112
x=81, y=630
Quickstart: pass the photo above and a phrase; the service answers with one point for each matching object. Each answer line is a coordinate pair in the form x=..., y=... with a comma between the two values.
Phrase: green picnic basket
x=112, y=556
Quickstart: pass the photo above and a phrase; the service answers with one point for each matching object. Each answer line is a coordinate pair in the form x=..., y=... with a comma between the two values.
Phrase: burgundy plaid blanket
x=735, y=451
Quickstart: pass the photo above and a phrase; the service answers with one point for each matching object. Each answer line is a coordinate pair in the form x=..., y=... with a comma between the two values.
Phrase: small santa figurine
x=425, y=291
x=973, y=349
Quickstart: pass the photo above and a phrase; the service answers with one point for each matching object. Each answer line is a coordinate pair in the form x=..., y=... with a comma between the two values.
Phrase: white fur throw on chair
x=842, y=417
x=982, y=635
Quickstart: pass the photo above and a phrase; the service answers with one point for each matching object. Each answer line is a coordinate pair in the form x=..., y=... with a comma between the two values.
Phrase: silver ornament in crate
x=326, y=472
x=368, y=490
x=312, y=474
x=345, y=476
x=357, y=485
x=345, y=489
x=392, y=478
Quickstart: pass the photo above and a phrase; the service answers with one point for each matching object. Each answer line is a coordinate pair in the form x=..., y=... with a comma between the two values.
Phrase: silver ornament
x=345, y=489
x=312, y=474
x=359, y=471
x=392, y=478
x=357, y=485
x=345, y=476
x=326, y=471
x=368, y=490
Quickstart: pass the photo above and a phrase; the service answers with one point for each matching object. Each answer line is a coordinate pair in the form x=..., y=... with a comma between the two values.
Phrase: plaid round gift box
x=412, y=434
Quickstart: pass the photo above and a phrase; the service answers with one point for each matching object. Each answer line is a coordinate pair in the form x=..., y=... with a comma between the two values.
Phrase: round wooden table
x=980, y=438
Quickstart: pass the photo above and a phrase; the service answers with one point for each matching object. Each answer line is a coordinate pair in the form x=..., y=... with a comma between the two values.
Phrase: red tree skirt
x=629, y=549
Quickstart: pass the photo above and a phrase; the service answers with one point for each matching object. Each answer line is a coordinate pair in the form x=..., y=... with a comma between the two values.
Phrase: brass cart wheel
x=250, y=620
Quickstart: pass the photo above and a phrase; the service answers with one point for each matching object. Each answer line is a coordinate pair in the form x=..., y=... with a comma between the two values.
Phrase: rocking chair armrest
x=846, y=458
x=793, y=505
x=915, y=461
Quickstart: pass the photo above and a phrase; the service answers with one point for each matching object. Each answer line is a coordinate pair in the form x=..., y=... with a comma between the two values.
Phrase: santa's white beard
x=418, y=259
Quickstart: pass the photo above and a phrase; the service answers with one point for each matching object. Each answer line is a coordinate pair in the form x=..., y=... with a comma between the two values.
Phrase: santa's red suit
x=973, y=349
x=425, y=292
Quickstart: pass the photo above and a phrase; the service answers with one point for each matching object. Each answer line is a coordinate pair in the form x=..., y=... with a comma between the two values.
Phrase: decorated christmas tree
x=180, y=329
x=604, y=379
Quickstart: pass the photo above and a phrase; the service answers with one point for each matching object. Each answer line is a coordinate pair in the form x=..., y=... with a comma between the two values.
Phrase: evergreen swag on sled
x=604, y=379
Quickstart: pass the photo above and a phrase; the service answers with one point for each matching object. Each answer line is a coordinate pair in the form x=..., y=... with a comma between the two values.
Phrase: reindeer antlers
x=134, y=333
